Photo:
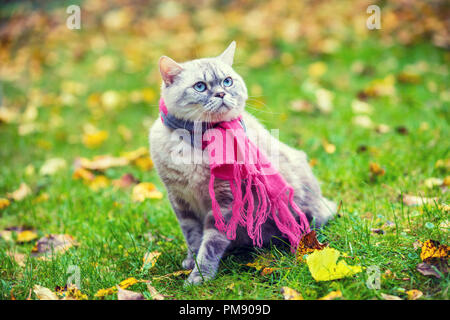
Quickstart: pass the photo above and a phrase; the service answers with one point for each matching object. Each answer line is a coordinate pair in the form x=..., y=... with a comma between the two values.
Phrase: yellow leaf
x=150, y=259
x=51, y=166
x=332, y=295
x=123, y=284
x=144, y=163
x=99, y=182
x=323, y=265
x=376, y=170
x=317, y=69
x=135, y=154
x=414, y=294
x=145, y=190
x=291, y=294
x=83, y=174
x=95, y=139
x=433, y=249
x=260, y=262
x=4, y=203
x=26, y=236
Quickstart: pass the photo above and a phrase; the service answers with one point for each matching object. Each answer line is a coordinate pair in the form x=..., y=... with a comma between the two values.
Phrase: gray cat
x=209, y=90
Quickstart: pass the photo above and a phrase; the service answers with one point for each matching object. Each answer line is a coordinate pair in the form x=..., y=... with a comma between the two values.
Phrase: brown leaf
x=411, y=200
x=52, y=244
x=153, y=292
x=427, y=270
x=308, y=244
x=290, y=294
x=123, y=294
x=414, y=294
x=126, y=181
x=21, y=193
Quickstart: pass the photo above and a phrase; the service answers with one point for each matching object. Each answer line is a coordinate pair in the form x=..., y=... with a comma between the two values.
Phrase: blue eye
x=200, y=86
x=228, y=82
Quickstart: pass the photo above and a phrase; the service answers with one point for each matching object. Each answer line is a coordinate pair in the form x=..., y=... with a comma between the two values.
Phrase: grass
x=110, y=227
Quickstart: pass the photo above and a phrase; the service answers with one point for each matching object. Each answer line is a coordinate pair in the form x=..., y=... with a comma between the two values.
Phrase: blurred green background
x=369, y=107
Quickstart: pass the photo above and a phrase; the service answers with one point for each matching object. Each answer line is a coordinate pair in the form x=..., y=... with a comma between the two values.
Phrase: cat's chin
x=222, y=114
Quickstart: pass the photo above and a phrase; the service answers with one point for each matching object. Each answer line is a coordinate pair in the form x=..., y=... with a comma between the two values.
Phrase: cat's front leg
x=192, y=229
x=212, y=248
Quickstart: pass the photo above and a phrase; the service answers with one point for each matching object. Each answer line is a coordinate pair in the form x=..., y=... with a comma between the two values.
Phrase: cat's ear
x=169, y=69
x=228, y=55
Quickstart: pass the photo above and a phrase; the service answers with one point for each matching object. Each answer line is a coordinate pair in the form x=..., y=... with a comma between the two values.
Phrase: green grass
x=110, y=227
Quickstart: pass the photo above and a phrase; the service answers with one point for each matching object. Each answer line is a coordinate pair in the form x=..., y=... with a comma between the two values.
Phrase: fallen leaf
x=70, y=292
x=323, y=265
x=51, y=244
x=99, y=182
x=43, y=293
x=328, y=147
x=261, y=261
x=135, y=154
x=266, y=271
x=376, y=170
x=19, y=258
x=51, y=166
x=432, y=249
x=308, y=243
x=390, y=297
x=430, y=183
x=21, y=193
x=4, y=203
x=123, y=284
x=144, y=163
x=83, y=174
x=428, y=270
x=153, y=292
x=290, y=294
x=123, y=294
x=94, y=139
x=332, y=295
x=302, y=106
x=26, y=236
x=173, y=274
x=101, y=162
x=414, y=294
x=125, y=181
x=145, y=190
x=150, y=259
x=411, y=200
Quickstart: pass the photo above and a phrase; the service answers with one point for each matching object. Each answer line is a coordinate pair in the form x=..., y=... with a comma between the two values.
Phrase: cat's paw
x=195, y=278
x=188, y=263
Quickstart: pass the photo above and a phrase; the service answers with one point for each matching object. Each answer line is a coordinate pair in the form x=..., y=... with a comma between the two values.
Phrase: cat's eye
x=200, y=86
x=228, y=82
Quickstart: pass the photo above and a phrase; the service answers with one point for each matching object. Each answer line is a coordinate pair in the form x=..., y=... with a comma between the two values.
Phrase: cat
x=209, y=90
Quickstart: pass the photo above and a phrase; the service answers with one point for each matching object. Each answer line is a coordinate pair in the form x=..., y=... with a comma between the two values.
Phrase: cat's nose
x=219, y=94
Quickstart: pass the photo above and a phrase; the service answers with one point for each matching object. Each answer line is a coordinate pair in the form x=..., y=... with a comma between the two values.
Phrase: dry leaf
x=4, y=203
x=390, y=297
x=123, y=284
x=150, y=259
x=21, y=193
x=153, y=292
x=411, y=200
x=432, y=249
x=323, y=265
x=83, y=174
x=126, y=181
x=51, y=166
x=173, y=274
x=308, y=244
x=414, y=294
x=19, y=258
x=101, y=162
x=332, y=295
x=123, y=294
x=428, y=270
x=43, y=293
x=290, y=294
x=376, y=170
x=52, y=244
x=95, y=139
x=26, y=236
x=145, y=190
x=261, y=261
x=70, y=292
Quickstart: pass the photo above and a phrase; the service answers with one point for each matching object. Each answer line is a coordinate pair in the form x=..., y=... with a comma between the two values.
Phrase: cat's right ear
x=169, y=69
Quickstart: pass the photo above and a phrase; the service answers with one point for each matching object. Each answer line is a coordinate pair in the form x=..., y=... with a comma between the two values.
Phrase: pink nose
x=220, y=94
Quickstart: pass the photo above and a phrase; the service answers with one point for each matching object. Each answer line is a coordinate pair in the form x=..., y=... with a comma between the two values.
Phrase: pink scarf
x=245, y=167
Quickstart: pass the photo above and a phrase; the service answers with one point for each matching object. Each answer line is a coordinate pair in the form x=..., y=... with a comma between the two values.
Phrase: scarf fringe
x=244, y=212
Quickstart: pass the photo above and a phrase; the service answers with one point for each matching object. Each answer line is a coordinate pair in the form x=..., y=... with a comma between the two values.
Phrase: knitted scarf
x=250, y=175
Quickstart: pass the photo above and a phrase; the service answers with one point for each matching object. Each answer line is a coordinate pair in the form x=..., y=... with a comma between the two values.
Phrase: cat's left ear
x=228, y=55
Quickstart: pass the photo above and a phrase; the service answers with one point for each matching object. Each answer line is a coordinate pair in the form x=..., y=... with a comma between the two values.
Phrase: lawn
x=370, y=108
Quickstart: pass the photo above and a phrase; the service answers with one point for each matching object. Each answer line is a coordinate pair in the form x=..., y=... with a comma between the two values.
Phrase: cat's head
x=205, y=89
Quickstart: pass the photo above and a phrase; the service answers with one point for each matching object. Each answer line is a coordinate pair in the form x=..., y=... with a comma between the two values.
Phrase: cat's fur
x=187, y=184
